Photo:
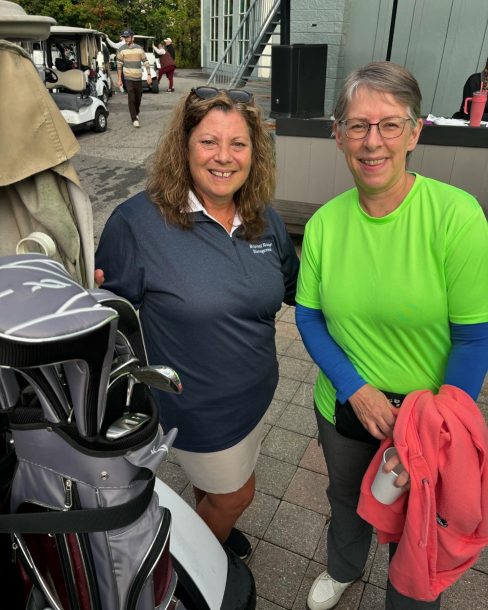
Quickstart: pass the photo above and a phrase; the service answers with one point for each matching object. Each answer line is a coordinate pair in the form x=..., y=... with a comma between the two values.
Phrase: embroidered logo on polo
x=262, y=248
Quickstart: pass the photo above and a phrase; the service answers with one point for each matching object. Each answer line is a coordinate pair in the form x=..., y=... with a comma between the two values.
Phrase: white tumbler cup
x=383, y=487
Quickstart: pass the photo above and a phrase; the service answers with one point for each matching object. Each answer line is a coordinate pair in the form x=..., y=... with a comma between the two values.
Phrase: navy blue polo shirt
x=207, y=302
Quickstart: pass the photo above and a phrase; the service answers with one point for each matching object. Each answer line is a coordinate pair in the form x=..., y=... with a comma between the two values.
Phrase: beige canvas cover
x=39, y=187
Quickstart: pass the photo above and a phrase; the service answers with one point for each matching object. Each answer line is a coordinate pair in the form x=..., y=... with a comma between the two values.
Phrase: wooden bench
x=294, y=213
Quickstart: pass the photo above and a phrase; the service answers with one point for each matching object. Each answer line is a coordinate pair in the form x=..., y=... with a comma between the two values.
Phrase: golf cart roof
x=143, y=36
x=64, y=30
x=15, y=24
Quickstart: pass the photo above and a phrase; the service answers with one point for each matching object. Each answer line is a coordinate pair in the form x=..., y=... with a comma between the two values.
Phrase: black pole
x=392, y=29
x=285, y=22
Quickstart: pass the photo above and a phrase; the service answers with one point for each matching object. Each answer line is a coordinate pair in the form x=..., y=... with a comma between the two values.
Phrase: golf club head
x=159, y=377
x=123, y=366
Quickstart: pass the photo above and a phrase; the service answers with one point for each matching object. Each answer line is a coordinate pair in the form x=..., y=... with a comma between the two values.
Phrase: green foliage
x=186, y=33
x=178, y=19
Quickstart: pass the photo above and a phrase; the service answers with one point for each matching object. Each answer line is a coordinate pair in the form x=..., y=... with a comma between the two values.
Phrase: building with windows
x=441, y=41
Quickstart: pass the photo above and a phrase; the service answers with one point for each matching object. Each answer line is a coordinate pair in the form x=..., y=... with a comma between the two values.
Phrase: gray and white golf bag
x=79, y=519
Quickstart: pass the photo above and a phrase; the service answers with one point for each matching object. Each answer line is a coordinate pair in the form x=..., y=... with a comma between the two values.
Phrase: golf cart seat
x=74, y=81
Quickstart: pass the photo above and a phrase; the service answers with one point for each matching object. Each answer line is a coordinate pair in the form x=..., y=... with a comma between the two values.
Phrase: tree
x=178, y=19
x=105, y=15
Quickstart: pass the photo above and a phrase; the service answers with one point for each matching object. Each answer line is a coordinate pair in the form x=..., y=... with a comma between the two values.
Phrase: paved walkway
x=287, y=521
x=288, y=518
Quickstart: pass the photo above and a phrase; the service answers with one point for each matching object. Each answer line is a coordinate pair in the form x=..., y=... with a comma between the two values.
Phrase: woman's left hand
x=374, y=411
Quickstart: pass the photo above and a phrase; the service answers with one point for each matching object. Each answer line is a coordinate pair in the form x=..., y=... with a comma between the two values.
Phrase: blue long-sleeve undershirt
x=325, y=352
x=466, y=367
x=468, y=359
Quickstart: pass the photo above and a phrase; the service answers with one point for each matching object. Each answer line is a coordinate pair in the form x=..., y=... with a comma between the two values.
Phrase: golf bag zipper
x=68, y=494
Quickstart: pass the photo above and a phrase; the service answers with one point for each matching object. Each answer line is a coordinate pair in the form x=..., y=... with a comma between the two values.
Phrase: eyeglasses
x=236, y=95
x=389, y=128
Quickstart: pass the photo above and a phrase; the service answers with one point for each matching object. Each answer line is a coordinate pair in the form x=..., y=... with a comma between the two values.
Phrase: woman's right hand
x=99, y=277
x=374, y=411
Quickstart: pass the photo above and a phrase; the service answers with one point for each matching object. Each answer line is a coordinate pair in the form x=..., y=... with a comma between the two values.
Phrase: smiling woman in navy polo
x=209, y=263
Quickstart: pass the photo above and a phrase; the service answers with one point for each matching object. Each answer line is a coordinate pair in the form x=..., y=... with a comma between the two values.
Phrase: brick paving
x=288, y=518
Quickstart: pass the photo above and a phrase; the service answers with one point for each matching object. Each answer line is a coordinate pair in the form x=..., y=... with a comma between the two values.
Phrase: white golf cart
x=80, y=48
x=69, y=91
x=77, y=84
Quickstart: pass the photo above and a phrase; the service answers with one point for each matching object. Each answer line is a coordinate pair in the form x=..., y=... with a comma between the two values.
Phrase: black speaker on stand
x=298, y=80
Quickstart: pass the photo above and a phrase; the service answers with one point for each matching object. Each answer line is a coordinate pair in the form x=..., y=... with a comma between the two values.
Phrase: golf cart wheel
x=155, y=86
x=100, y=120
x=105, y=95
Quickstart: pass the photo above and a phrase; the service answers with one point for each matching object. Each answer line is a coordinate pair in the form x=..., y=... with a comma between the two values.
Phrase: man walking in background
x=130, y=56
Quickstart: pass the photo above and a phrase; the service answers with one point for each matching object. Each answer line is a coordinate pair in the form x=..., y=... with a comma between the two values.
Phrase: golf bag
x=79, y=521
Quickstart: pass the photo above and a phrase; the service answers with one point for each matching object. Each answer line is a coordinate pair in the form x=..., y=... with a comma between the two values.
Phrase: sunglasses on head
x=236, y=95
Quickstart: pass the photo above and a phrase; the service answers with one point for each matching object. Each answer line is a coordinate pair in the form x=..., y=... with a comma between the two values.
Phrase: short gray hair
x=385, y=77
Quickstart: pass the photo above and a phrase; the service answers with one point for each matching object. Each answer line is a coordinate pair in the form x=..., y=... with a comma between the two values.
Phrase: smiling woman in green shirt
x=392, y=297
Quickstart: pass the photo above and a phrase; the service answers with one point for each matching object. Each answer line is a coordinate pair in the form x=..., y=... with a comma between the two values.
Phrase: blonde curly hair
x=169, y=179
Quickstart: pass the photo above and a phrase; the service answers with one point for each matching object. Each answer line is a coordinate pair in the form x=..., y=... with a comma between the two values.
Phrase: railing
x=247, y=45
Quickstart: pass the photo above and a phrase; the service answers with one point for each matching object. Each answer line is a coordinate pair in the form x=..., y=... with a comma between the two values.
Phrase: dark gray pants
x=134, y=95
x=349, y=536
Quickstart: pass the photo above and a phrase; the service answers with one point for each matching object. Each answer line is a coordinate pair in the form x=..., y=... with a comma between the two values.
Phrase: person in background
x=391, y=298
x=112, y=44
x=474, y=83
x=208, y=264
x=168, y=44
x=167, y=64
x=130, y=56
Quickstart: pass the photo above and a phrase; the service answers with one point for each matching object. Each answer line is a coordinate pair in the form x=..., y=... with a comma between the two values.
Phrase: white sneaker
x=135, y=123
x=325, y=592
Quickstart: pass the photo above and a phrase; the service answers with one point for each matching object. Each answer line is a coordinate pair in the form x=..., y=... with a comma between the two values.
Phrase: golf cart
x=69, y=91
x=147, y=42
x=70, y=48
x=77, y=84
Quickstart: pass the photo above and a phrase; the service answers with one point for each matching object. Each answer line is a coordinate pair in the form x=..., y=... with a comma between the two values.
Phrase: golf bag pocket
x=87, y=529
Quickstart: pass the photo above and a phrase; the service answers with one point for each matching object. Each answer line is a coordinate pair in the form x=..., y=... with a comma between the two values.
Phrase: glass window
x=214, y=31
x=244, y=34
x=228, y=17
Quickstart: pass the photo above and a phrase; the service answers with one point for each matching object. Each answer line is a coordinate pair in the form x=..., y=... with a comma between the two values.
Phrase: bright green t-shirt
x=388, y=287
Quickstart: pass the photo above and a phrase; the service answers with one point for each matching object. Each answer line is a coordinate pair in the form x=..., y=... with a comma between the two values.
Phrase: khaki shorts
x=222, y=472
